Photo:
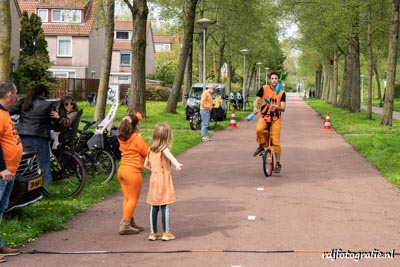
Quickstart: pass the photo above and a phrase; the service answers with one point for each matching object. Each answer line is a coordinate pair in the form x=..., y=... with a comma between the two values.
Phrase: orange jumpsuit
x=133, y=153
x=275, y=119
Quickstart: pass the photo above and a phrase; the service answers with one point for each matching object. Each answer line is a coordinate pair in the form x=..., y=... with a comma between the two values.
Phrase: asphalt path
x=229, y=214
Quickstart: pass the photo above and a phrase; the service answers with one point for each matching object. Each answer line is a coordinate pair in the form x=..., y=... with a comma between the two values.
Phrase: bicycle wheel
x=104, y=166
x=69, y=176
x=195, y=121
x=268, y=162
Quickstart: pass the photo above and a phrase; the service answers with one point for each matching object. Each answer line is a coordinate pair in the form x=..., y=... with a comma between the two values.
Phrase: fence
x=79, y=89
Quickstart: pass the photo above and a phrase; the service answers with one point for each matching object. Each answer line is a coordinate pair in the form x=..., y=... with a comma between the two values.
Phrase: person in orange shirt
x=270, y=117
x=133, y=153
x=161, y=189
x=206, y=105
x=10, y=154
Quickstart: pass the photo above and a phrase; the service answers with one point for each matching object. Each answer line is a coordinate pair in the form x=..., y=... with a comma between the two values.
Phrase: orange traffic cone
x=327, y=126
x=233, y=120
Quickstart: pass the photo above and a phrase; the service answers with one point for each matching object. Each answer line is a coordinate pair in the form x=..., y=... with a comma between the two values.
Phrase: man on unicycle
x=273, y=103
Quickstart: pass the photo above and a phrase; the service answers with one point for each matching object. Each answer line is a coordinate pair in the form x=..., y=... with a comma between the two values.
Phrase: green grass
x=22, y=226
x=380, y=145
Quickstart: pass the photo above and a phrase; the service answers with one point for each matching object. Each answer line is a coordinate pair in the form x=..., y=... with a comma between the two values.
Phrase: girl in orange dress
x=161, y=189
x=133, y=153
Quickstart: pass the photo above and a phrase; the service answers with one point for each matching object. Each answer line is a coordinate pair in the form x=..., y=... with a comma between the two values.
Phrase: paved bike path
x=326, y=197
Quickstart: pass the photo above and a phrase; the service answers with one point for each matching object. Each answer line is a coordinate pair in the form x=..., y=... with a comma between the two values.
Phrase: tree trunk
x=335, y=79
x=391, y=67
x=354, y=56
x=187, y=43
x=101, y=99
x=188, y=75
x=5, y=39
x=139, y=12
x=218, y=62
x=370, y=64
x=378, y=82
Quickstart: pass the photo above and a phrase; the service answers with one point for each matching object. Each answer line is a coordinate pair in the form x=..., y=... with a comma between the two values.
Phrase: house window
x=63, y=74
x=70, y=16
x=125, y=58
x=64, y=46
x=43, y=14
x=122, y=35
x=162, y=47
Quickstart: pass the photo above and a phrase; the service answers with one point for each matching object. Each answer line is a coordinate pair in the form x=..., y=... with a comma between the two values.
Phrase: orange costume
x=274, y=119
x=133, y=153
x=161, y=188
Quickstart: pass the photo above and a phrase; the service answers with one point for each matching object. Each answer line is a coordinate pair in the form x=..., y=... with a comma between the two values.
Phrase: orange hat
x=139, y=116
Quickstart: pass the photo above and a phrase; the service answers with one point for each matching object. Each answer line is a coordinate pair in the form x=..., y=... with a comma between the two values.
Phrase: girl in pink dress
x=161, y=189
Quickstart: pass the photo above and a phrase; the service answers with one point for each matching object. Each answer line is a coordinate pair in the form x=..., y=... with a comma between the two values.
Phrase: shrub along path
x=327, y=197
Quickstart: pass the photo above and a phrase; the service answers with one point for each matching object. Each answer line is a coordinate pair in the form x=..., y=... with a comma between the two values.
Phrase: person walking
x=161, y=188
x=10, y=154
x=270, y=117
x=34, y=124
x=133, y=154
x=206, y=105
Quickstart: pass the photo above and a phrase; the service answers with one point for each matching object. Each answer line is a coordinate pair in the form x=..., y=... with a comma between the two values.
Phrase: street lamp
x=266, y=75
x=204, y=23
x=259, y=64
x=244, y=53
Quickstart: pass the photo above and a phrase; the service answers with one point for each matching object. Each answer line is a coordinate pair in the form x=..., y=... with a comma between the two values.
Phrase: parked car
x=194, y=96
x=28, y=181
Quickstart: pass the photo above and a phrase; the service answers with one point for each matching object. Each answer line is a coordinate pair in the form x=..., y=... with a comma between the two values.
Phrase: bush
x=158, y=93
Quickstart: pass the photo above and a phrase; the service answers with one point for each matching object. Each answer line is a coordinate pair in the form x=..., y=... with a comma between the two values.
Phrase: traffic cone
x=233, y=120
x=327, y=126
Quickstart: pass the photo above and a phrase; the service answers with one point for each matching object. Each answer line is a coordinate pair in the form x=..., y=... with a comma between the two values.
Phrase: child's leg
x=165, y=217
x=153, y=218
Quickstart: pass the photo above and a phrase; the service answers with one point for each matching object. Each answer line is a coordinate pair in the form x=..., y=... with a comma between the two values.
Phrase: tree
x=5, y=39
x=391, y=65
x=34, y=60
x=107, y=12
x=187, y=41
x=139, y=12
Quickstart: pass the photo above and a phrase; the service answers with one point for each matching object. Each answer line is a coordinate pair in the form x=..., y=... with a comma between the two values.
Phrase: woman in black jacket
x=34, y=124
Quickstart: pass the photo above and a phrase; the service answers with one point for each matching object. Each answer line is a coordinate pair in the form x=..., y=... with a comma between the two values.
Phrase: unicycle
x=269, y=157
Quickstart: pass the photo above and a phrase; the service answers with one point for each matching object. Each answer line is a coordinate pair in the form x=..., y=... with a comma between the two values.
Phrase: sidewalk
x=378, y=110
x=326, y=197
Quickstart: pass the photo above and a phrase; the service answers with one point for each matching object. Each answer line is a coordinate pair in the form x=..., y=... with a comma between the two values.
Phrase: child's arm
x=147, y=164
x=171, y=157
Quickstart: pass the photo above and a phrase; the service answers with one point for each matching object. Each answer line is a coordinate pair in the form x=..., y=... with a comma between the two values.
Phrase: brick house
x=166, y=42
x=121, y=54
x=75, y=43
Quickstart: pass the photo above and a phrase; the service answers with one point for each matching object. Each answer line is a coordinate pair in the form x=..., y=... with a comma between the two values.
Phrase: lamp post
x=362, y=88
x=204, y=23
x=266, y=75
x=244, y=53
x=259, y=64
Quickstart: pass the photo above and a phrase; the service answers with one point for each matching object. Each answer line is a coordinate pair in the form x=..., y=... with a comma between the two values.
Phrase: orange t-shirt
x=133, y=152
x=10, y=144
x=206, y=101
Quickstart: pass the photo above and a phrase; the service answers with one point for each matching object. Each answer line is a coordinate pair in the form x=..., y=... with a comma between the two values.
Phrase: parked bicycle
x=195, y=120
x=99, y=162
x=67, y=169
x=68, y=173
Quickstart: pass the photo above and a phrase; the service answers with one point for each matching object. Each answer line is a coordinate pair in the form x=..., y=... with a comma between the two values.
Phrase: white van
x=194, y=96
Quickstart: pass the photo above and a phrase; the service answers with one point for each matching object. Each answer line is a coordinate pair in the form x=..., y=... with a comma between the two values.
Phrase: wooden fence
x=79, y=89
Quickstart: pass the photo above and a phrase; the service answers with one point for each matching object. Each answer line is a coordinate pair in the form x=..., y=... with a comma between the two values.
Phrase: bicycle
x=98, y=161
x=67, y=169
x=195, y=120
x=232, y=105
x=68, y=173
